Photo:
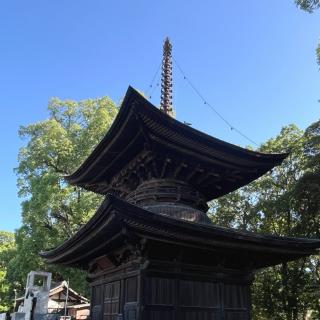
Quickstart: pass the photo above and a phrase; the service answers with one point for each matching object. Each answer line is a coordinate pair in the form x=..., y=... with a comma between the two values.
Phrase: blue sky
x=253, y=60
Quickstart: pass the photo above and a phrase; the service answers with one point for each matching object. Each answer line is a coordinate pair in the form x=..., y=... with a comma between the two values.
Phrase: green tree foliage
x=310, y=6
x=53, y=211
x=283, y=202
x=7, y=252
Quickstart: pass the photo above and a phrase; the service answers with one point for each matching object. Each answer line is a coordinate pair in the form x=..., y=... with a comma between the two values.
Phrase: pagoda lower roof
x=108, y=230
x=144, y=142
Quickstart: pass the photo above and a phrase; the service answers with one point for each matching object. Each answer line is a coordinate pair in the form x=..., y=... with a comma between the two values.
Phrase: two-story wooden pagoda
x=150, y=250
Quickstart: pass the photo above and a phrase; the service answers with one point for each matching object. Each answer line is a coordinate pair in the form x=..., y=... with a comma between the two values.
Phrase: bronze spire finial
x=166, y=79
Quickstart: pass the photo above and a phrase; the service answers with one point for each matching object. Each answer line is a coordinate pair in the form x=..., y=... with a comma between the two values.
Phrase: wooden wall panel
x=236, y=296
x=237, y=316
x=131, y=311
x=97, y=295
x=199, y=294
x=200, y=315
x=159, y=315
x=160, y=291
x=131, y=285
x=180, y=299
x=171, y=298
x=97, y=303
x=111, y=303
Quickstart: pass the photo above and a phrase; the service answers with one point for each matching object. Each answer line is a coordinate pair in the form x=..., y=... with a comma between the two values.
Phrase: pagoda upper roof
x=116, y=220
x=144, y=142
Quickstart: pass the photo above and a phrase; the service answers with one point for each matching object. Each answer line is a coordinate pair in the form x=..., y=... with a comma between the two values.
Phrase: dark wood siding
x=97, y=302
x=159, y=315
x=131, y=292
x=180, y=299
x=201, y=315
x=160, y=299
x=160, y=291
x=111, y=303
x=236, y=301
x=236, y=296
x=199, y=300
x=237, y=316
x=97, y=295
x=110, y=298
x=199, y=294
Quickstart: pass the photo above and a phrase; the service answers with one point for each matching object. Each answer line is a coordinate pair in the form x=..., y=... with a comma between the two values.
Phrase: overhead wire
x=150, y=87
x=154, y=88
x=205, y=101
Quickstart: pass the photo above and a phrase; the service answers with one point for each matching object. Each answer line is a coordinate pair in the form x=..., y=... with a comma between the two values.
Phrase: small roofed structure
x=79, y=311
x=150, y=250
x=60, y=293
x=59, y=297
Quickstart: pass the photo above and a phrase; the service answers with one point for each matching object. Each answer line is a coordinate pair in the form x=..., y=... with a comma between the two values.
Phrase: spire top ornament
x=166, y=79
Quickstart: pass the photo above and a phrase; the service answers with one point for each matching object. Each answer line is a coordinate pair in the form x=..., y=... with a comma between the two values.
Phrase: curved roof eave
x=114, y=214
x=135, y=103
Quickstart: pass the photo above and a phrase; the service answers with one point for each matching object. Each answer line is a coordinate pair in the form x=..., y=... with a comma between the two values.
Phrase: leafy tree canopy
x=308, y=5
x=51, y=209
x=285, y=202
x=7, y=252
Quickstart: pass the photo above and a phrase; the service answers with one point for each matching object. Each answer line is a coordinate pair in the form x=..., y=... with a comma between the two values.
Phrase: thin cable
x=153, y=78
x=233, y=128
x=154, y=88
